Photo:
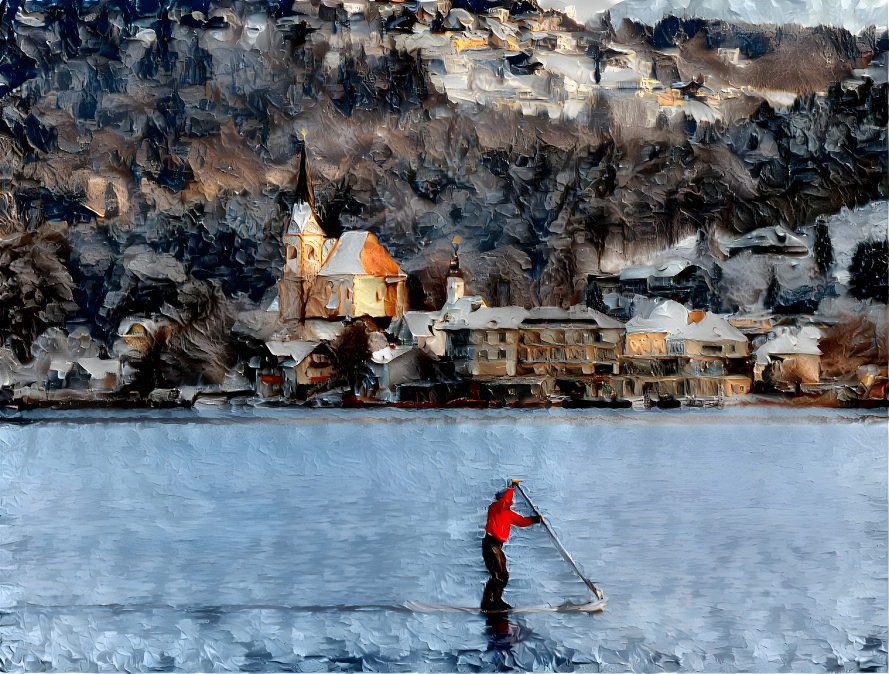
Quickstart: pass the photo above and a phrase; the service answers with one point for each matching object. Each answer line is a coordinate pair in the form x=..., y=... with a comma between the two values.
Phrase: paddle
x=557, y=543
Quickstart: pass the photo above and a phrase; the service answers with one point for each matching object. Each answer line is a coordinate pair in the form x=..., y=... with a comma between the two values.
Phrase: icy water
x=268, y=540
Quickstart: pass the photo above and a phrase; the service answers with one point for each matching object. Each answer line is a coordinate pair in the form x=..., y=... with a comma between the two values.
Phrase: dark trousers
x=495, y=561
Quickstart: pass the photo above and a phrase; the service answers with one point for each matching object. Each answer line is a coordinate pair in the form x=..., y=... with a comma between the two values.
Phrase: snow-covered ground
x=724, y=540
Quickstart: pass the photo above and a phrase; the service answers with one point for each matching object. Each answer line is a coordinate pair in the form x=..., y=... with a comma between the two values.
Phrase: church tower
x=305, y=248
x=304, y=238
x=456, y=284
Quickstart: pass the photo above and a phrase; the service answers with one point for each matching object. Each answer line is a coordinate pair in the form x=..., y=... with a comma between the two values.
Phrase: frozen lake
x=724, y=540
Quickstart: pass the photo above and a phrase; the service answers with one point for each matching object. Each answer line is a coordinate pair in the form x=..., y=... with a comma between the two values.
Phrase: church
x=331, y=278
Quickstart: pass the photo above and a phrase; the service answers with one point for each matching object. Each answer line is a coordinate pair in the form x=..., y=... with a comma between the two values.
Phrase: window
x=676, y=348
x=712, y=349
x=501, y=354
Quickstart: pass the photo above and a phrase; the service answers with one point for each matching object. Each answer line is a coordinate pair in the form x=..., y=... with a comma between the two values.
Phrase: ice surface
x=205, y=542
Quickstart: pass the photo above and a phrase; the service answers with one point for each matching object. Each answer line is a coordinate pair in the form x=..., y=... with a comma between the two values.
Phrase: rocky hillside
x=148, y=153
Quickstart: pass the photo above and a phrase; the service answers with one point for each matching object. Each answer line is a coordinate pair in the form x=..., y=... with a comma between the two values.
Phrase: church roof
x=359, y=254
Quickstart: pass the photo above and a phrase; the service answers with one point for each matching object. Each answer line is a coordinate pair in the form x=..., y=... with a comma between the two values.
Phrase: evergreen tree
x=352, y=353
x=770, y=301
x=593, y=297
x=869, y=271
x=823, y=248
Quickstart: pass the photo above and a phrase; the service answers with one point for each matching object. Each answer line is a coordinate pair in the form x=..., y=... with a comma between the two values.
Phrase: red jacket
x=500, y=517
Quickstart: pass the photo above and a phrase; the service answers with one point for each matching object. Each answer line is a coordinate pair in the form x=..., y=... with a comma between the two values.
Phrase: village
x=544, y=63
x=341, y=333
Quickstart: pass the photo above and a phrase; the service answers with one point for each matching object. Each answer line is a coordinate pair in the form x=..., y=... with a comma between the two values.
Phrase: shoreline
x=335, y=401
x=243, y=412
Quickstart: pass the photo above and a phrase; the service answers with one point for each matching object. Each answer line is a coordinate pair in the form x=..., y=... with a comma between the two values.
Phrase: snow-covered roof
x=487, y=318
x=321, y=330
x=359, y=253
x=303, y=219
x=420, y=322
x=711, y=328
x=292, y=349
x=668, y=316
x=389, y=353
x=770, y=238
x=61, y=364
x=575, y=313
x=673, y=318
x=577, y=67
x=668, y=269
x=346, y=256
x=151, y=325
x=461, y=16
x=786, y=342
x=100, y=367
x=501, y=30
x=465, y=304
x=700, y=112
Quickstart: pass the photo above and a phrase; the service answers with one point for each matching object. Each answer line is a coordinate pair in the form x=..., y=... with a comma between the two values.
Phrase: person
x=501, y=518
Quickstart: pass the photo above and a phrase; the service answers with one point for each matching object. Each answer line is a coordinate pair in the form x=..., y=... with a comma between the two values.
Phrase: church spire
x=304, y=191
x=303, y=218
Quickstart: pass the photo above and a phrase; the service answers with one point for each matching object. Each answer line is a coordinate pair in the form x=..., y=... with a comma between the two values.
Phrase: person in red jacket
x=500, y=518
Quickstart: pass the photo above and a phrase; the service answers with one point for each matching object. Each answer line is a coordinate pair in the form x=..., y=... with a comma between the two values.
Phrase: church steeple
x=304, y=191
x=306, y=245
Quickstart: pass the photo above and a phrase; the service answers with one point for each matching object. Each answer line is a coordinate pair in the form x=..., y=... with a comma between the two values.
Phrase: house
x=773, y=240
x=691, y=90
x=57, y=374
x=672, y=352
x=331, y=278
x=104, y=373
x=729, y=56
x=395, y=366
x=789, y=357
x=142, y=333
x=483, y=342
x=499, y=13
x=511, y=390
x=579, y=347
x=422, y=328
x=302, y=367
x=469, y=40
x=352, y=7
x=676, y=280
x=713, y=356
x=873, y=381
x=415, y=328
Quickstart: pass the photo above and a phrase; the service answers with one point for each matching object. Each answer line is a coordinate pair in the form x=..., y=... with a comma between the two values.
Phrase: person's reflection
x=502, y=634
